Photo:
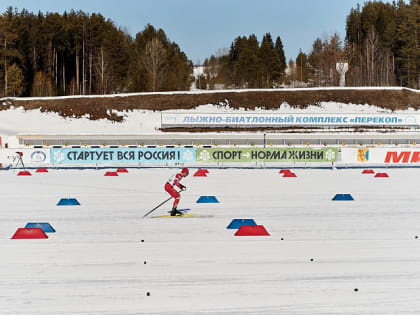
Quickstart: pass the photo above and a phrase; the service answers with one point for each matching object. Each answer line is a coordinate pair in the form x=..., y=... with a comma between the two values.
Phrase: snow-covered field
x=16, y=120
x=97, y=263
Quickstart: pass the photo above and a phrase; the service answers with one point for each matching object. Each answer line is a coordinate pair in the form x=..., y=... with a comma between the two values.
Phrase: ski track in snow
x=94, y=263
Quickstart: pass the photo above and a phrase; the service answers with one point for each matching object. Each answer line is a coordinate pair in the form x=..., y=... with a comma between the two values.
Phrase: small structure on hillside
x=342, y=68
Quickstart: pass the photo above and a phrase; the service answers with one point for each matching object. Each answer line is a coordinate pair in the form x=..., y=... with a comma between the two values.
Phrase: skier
x=170, y=188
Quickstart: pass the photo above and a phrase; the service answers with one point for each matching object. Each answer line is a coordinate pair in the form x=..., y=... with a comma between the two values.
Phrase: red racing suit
x=170, y=187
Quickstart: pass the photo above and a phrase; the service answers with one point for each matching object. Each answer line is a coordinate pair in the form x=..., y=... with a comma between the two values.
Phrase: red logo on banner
x=403, y=157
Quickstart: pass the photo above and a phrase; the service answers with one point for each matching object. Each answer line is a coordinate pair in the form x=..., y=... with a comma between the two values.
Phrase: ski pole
x=157, y=207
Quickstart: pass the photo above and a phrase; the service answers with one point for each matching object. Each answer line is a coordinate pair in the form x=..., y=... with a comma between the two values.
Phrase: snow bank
x=16, y=120
x=4, y=100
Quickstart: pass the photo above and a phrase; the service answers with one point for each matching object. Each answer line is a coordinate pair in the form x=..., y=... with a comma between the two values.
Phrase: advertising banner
x=287, y=120
x=267, y=155
x=121, y=155
x=29, y=156
x=381, y=155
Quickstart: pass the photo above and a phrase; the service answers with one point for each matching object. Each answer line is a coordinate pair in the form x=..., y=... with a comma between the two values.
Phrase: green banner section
x=267, y=155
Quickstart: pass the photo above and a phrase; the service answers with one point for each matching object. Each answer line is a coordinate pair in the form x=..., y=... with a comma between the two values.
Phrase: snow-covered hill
x=16, y=120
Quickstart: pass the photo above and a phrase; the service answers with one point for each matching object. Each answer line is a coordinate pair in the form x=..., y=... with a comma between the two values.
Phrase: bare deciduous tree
x=153, y=60
x=323, y=59
x=42, y=85
x=371, y=53
x=102, y=70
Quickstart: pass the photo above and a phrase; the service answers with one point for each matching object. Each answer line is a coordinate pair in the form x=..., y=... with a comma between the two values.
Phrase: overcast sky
x=202, y=27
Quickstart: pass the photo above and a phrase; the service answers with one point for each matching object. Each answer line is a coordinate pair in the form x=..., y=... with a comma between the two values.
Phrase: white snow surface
x=95, y=262
x=16, y=120
x=4, y=100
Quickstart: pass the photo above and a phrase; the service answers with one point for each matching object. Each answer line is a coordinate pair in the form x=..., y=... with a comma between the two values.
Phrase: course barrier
x=384, y=155
x=343, y=197
x=368, y=172
x=45, y=226
x=207, y=199
x=237, y=223
x=201, y=173
x=32, y=233
x=28, y=156
x=252, y=230
x=111, y=174
x=285, y=171
x=24, y=173
x=121, y=155
x=295, y=156
x=68, y=202
x=267, y=155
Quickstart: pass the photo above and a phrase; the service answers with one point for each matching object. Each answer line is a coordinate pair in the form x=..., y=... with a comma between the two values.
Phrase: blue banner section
x=122, y=155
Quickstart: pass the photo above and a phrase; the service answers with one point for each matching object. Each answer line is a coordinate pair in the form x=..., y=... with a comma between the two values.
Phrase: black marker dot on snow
x=356, y=289
x=144, y=262
x=312, y=259
x=282, y=238
x=142, y=241
x=148, y=293
x=417, y=236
